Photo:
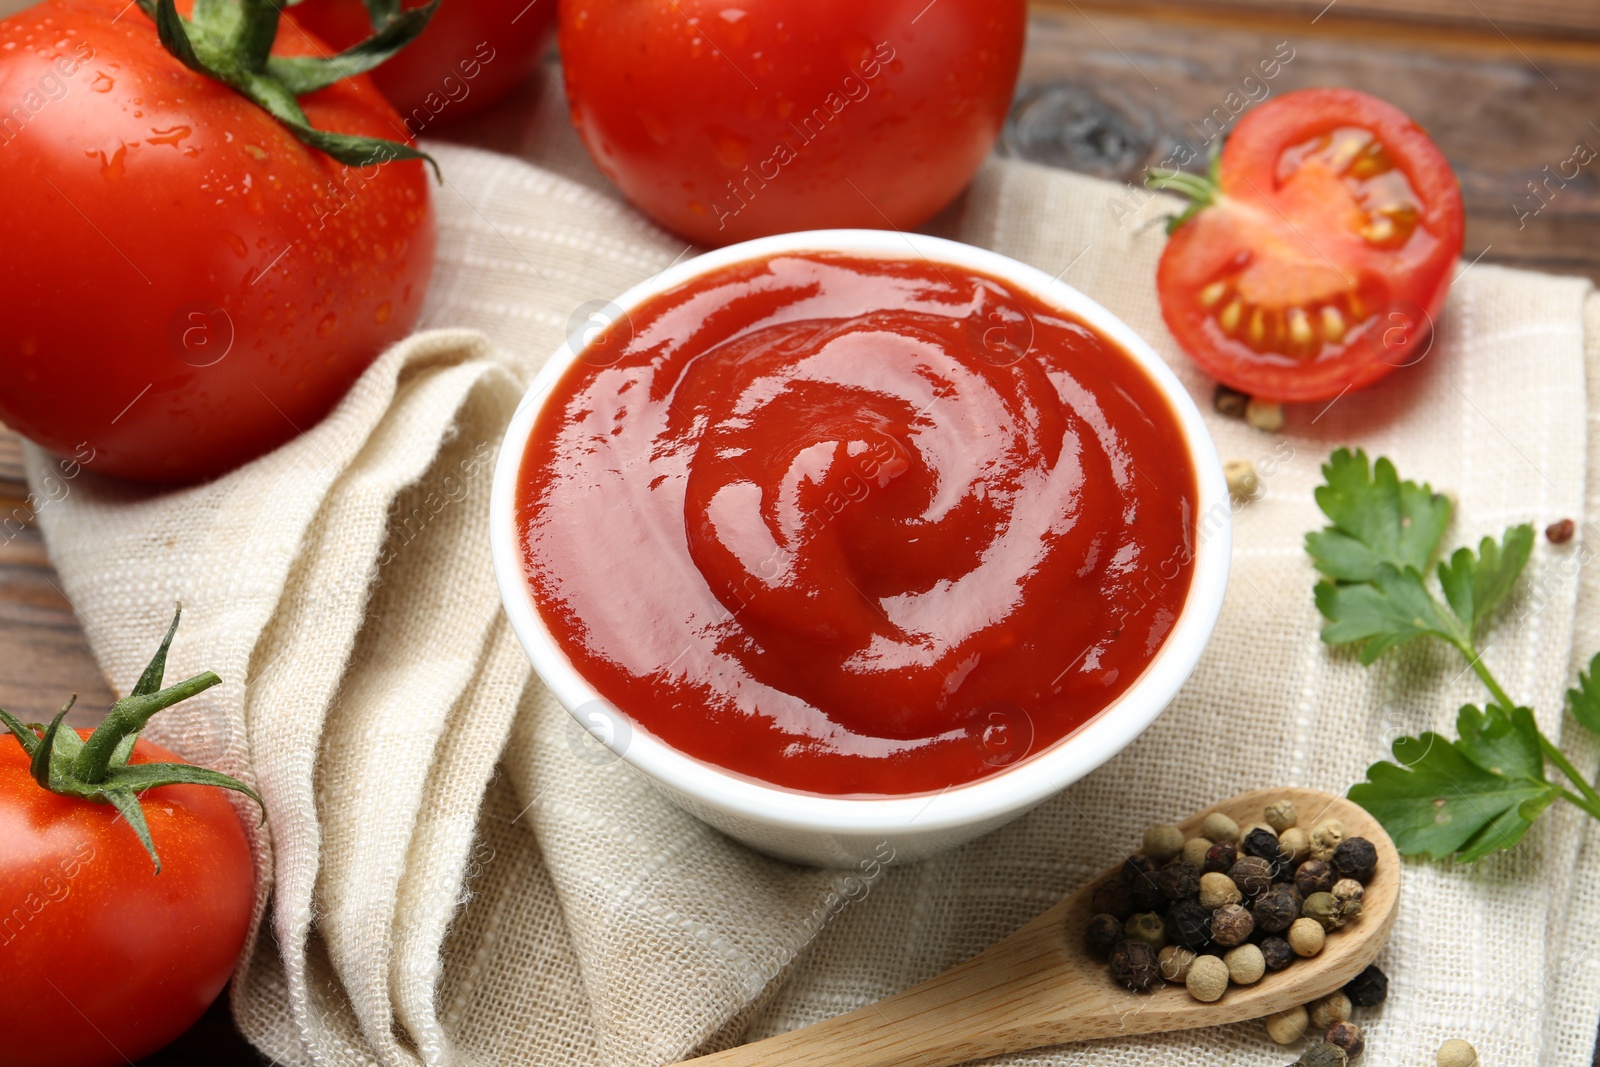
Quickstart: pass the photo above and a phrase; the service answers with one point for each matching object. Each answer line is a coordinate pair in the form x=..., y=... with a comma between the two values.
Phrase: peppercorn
x=1277, y=953
x=1253, y=875
x=1325, y=909
x=1246, y=964
x=1264, y=415
x=1262, y=843
x=1295, y=843
x=1249, y=827
x=1140, y=874
x=1333, y=1008
x=1355, y=857
x=1323, y=1055
x=1174, y=962
x=1275, y=910
x=1218, y=827
x=1178, y=880
x=1102, y=934
x=1325, y=837
x=1369, y=988
x=1112, y=898
x=1560, y=532
x=1147, y=927
x=1281, y=815
x=1457, y=1053
x=1161, y=843
x=1217, y=890
x=1347, y=889
x=1314, y=876
x=1220, y=857
x=1194, y=852
x=1189, y=924
x=1229, y=402
x=1306, y=937
x=1134, y=964
x=1348, y=1036
x=1207, y=979
x=1288, y=1026
x=1231, y=924
x=1242, y=479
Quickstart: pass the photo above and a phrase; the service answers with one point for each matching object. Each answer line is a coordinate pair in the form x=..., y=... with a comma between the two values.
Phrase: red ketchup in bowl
x=856, y=526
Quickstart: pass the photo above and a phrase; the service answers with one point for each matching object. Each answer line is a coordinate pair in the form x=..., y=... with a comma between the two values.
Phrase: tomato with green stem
x=210, y=238
x=126, y=884
x=1316, y=255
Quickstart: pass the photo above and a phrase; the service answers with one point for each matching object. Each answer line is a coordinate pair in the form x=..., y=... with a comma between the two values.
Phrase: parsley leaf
x=1481, y=792
x=1474, y=585
x=1377, y=520
x=1585, y=700
x=1467, y=798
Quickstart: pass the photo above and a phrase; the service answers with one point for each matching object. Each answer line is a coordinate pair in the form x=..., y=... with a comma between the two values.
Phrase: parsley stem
x=1564, y=765
x=1481, y=669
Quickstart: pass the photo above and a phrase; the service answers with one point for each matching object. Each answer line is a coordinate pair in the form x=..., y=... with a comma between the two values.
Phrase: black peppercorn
x=1220, y=857
x=1253, y=876
x=1561, y=531
x=1229, y=402
x=1355, y=858
x=1277, y=953
x=1102, y=934
x=1314, y=876
x=1275, y=910
x=1348, y=1036
x=1140, y=874
x=1112, y=898
x=1189, y=925
x=1369, y=988
x=1231, y=925
x=1263, y=844
x=1134, y=964
x=1178, y=880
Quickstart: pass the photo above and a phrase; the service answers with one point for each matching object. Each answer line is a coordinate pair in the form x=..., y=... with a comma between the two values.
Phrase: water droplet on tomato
x=236, y=243
x=732, y=150
x=326, y=325
x=381, y=316
x=169, y=136
x=112, y=167
x=103, y=83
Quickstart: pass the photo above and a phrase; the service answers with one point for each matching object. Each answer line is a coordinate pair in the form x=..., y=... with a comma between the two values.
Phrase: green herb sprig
x=1479, y=793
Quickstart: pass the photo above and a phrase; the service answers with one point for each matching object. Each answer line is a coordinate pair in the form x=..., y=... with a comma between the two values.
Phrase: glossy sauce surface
x=855, y=526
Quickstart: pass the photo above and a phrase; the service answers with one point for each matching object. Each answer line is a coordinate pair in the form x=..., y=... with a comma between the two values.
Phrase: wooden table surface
x=1508, y=88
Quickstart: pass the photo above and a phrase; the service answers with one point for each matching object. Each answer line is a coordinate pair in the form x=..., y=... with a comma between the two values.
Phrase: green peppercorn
x=1323, y=1055
x=1162, y=843
x=1333, y=1008
x=1146, y=926
x=1325, y=909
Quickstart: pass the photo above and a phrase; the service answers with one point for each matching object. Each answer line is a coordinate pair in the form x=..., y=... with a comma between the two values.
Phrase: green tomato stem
x=127, y=717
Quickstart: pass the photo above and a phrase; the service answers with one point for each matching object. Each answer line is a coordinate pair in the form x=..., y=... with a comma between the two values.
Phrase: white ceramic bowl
x=836, y=831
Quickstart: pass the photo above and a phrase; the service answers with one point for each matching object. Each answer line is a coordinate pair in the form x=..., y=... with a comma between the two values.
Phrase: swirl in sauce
x=854, y=526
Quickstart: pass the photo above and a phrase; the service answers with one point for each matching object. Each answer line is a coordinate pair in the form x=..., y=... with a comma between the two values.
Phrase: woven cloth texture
x=450, y=874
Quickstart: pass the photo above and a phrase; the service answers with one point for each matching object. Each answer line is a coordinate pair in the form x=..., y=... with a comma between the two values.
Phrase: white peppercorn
x=1325, y=838
x=1264, y=415
x=1333, y=1008
x=1218, y=827
x=1174, y=963
x=1347, y=889
x=1281, y=815
x=1162, y=843
x=1194, y=852
x=1287, y=1027
x=1246, y=965
x=1295, y=844
x=1457, y=1053
x=1218, y=890
x=1242, y=478
x=1306, y=937
x=1207, y=979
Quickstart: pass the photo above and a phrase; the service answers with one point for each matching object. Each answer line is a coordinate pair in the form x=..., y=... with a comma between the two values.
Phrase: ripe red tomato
x=472, y=53
x=1325, y=254
x=106, y=961
x=730, y=122
x=186, y=285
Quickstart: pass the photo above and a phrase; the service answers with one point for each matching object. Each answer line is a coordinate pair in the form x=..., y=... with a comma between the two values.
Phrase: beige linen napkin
x=451, y=875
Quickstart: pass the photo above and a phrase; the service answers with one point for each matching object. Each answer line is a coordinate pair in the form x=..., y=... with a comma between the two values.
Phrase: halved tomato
x=1318, y=253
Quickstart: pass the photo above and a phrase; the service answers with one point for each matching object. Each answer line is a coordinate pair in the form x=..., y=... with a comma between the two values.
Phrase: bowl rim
x=1010, y=790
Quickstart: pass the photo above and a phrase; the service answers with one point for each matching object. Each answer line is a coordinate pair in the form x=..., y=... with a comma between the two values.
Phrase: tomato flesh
x=106, y=961
x=1326, y=255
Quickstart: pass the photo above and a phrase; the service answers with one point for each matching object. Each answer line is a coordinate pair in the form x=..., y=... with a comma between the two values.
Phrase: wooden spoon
x=1040, y=986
